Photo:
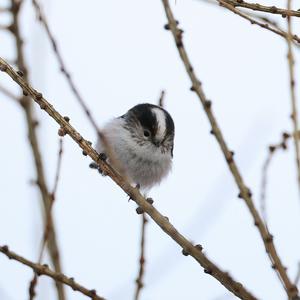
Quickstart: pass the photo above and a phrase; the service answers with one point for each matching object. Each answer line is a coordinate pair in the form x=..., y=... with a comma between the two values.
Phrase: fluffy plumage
x=140, y=144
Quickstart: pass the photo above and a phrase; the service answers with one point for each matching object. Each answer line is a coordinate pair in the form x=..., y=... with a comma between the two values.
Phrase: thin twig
x=193, y=250
x=162, y=98
x=45, y=270
x=296, y=38
x=272, y=149
x=297, y=278
x=67, y=74
x=9, y=94
x=294, y=115
x=268, y=9
x=245, y=192
x=34, y=142
x=63, y=68
x=58, y=168
x=47, y=228
x=3, y=27
x=266, y=25
x=139, y=280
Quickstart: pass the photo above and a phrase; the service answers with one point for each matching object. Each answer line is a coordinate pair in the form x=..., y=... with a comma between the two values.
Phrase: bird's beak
x=156, y=142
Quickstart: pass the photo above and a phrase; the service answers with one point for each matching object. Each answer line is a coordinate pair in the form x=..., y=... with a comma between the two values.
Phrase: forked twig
x=245, y=192
x=272, y=149
x=268, y=9
x=266, y=25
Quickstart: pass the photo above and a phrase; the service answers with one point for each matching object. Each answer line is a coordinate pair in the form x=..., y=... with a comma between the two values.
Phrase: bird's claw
x=93, y=165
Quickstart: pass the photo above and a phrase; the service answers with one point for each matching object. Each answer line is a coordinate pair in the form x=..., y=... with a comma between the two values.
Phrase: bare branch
x=193, y=250
x=268, y=9
x=266, y=25
x=272, y=150
x=45, y=270
x=34, y=142
x=245, y=192
x=58, y=168
x=63, y=67
x=139, y=280
x=294, y=115
x=297, y=275
x=9, y=94
x=162, y=98
x=47, y=229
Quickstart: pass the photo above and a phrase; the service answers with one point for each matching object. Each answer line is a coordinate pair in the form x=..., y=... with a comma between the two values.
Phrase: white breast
x=143, y=164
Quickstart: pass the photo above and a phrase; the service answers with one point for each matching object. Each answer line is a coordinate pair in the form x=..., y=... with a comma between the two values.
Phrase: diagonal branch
x=9, y=94
x=245, y=192
x=34, y=142
x=63, y=67
x=268, y=9
x=45, y=270
x=266, y=25
x=193, y=250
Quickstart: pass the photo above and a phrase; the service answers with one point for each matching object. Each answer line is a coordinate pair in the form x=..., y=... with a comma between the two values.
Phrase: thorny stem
x=245, y=192
x=193, y=250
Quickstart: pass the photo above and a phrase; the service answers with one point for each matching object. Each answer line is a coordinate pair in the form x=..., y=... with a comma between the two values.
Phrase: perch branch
x=245, y=192
x=195, y=251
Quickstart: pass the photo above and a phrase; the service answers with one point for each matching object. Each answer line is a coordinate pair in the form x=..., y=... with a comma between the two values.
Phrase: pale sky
x=119, y=55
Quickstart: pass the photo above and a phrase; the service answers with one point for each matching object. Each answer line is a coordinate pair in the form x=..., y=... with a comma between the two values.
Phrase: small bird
x=139, y=144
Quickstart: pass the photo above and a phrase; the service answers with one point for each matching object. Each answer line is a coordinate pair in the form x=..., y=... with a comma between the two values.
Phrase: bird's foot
x=93, y=165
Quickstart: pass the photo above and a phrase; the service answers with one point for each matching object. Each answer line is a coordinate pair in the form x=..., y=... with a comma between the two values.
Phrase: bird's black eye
x=147, y=133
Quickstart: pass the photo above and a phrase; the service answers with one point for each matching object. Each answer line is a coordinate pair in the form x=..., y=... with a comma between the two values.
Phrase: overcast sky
x=119, y=55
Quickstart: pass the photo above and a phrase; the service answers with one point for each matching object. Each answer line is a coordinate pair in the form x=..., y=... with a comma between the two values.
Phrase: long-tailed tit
x=139, y=144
